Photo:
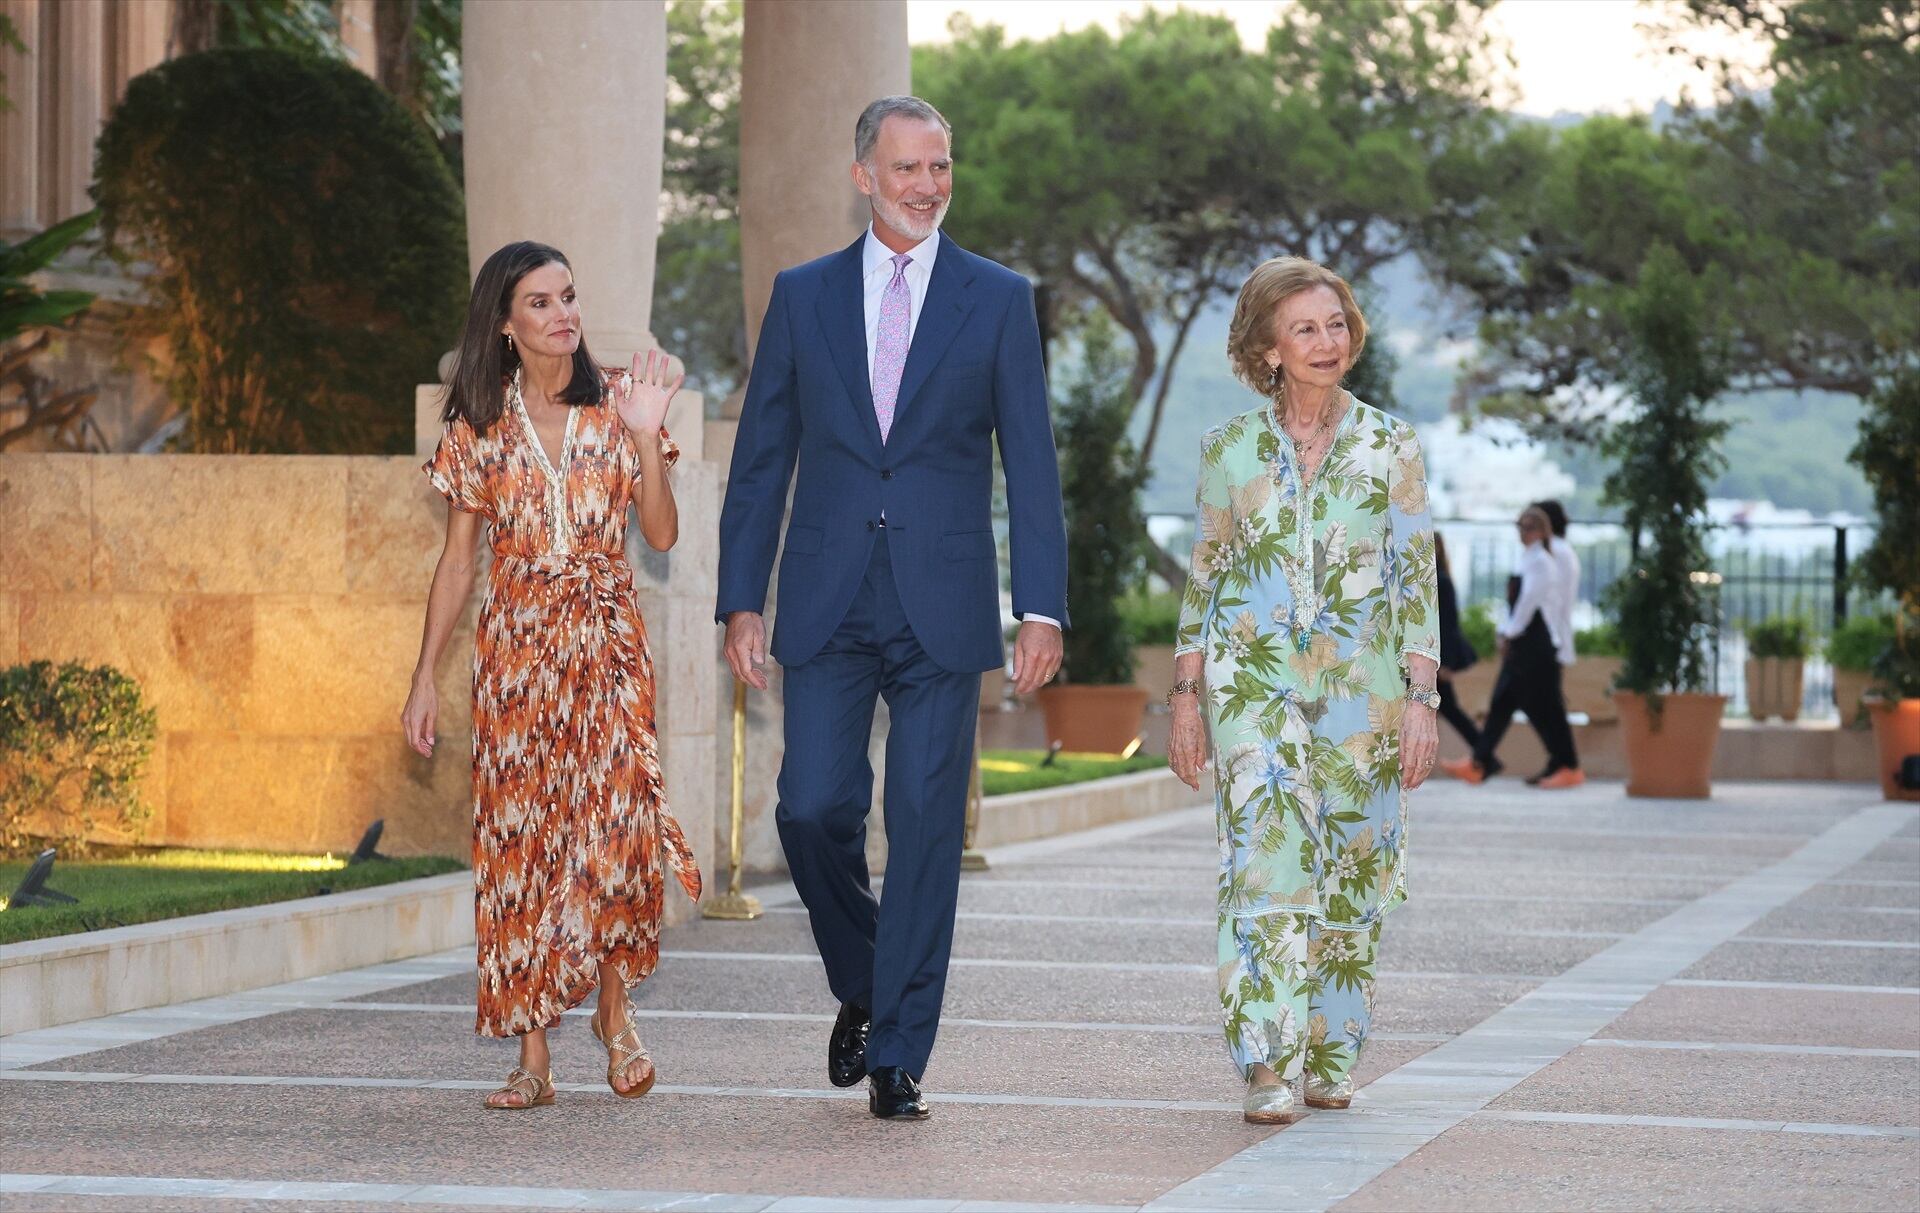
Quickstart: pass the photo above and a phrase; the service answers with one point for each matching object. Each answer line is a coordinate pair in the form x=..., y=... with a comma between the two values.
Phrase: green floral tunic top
x=1306, y=601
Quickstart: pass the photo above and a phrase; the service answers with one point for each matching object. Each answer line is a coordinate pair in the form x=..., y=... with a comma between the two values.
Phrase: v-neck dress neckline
x=556, y=483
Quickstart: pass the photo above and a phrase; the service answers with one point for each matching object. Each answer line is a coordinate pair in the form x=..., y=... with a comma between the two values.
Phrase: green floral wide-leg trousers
x=1295, y=996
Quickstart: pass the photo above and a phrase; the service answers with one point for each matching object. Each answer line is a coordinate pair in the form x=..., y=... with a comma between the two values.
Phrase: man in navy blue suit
x=886, y=371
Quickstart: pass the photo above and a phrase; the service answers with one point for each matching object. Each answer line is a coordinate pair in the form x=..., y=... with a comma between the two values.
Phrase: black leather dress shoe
x=847, y=1047
x=893, y=1095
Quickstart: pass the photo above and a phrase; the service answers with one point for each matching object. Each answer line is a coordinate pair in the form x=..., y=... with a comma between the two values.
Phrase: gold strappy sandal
x=538, y=1092
x=622, y=1051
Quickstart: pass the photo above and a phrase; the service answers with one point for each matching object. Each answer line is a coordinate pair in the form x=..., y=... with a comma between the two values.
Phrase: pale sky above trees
x=1575, y=55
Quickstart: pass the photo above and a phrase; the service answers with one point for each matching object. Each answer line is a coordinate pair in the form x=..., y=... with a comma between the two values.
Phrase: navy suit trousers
x=889, y=954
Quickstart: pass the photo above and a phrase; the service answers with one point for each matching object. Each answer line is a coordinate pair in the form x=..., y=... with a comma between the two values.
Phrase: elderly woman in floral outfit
x=1308, y=637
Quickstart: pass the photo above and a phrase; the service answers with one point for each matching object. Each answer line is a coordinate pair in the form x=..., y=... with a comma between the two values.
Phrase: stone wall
x=271, y=608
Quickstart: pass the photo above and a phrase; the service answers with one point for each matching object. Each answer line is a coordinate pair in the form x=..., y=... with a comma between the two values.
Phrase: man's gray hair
x=866, y=132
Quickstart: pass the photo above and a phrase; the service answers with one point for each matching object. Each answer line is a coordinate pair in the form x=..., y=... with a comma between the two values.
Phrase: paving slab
x=1730, y=1086
x=1494, y=1165
x=1901, y=896
x=667, y=1142
x=1743, y=960
x=1854, y=923
x=1782, y=1017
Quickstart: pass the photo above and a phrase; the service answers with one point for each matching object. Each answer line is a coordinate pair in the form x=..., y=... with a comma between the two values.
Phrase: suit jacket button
x=869, y=524
x=886, y=474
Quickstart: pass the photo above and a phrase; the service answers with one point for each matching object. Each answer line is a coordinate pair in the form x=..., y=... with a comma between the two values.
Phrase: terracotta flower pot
x=1773, y=687
x=1849, y=689
x=1093, y=719
x=1674, y=760
x=1896, y=734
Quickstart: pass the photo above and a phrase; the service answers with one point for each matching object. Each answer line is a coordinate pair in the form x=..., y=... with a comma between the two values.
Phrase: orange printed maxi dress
x=570, y=821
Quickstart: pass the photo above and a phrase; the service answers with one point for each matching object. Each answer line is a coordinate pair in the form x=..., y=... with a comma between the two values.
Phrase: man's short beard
x=907, y=222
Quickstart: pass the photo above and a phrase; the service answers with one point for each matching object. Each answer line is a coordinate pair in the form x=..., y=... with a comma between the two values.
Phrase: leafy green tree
x=305, y=26
x=1100, y=483
x=1889, y=454
x=1665, y=457
x=697, y=306
x=30, y=401
x=306, y=245
x=1143, y=175
x=1805, y=198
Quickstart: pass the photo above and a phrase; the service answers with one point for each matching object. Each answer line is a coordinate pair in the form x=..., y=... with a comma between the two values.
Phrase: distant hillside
x=1786, y=448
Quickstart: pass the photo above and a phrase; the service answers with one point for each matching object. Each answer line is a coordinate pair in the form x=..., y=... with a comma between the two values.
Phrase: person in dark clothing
x=1529, y=668
x=1456, y=652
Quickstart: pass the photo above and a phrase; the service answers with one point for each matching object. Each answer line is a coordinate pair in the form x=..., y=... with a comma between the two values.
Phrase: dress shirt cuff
x=1030, y=617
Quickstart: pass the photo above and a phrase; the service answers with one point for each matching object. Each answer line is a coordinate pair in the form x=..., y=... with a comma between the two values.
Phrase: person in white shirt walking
x=1567, y=563
x=1530, y=667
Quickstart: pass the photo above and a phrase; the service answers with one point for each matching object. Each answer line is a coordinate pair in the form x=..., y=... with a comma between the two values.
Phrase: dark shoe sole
x=854, y=1081
x=922, y=1114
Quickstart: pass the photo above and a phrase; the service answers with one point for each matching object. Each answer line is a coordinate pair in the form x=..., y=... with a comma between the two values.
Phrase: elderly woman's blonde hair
x=1272, y=283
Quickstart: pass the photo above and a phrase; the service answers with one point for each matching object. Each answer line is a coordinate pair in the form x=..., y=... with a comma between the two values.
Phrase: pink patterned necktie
x=890, y=344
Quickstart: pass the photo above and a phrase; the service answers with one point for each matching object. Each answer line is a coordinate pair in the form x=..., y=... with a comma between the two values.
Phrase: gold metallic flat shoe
x=537, y=1091
x=1324, y=1094
x=623, y=1049
x=1270, y=1104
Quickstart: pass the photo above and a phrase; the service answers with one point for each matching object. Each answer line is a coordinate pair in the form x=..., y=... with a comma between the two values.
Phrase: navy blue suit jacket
x=974, y=372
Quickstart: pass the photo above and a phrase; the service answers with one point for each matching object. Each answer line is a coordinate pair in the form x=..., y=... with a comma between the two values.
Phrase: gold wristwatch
x=1424, y=696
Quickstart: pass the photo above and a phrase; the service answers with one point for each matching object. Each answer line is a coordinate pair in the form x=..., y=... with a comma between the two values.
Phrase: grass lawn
x=1003, y=771
x=146, y=887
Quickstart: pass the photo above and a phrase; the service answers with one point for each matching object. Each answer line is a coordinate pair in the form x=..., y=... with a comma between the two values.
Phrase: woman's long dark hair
x=485, y=359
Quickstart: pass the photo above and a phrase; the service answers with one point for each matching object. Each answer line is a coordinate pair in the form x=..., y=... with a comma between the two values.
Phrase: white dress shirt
x=876, y=274
x=1539, y=594
x=1567, y=565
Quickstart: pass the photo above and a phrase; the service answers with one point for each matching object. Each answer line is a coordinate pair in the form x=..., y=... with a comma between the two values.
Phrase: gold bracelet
x=1185, y=686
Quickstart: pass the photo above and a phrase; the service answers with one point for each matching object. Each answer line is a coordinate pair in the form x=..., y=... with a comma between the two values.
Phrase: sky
x=1580, y=56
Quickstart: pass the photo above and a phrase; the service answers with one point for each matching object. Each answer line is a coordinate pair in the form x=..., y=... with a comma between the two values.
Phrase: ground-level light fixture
x=33, y=890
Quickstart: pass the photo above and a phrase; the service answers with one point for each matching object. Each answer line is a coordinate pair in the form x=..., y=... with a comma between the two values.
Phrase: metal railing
x=1762, y=571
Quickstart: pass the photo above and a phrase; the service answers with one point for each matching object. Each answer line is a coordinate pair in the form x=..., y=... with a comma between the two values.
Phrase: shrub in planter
x=1776, y=660
x=1887, y=453
x=1152, y=621
x=306, y=242
x=1098, y=709
x=1852, y=649
x=73, y=742
x=1665, y=456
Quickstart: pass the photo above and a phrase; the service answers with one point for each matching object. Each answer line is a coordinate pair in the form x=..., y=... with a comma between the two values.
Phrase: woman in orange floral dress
x=571, y=828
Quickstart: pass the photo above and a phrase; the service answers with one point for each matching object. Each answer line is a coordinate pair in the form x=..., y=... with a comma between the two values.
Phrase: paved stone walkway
x=1590, y=1002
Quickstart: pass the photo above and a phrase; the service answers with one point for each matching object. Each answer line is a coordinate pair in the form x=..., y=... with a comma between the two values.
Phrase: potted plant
x=1852, y=649
x=1151, y=621
x=1097, y=708
x=1887, y=452
x=1776, y=661
x=1596, y=665
x=1664, y=603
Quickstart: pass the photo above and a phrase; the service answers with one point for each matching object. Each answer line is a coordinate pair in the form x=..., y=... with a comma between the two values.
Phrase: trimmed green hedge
x=169, y=884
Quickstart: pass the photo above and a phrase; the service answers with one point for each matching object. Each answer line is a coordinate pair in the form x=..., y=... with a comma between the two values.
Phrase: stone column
x=136, y=40
x=807, y=71
x=78, y=69
x=565, y=110
x=797, y=202
x=20, y=168
x=356, y=34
